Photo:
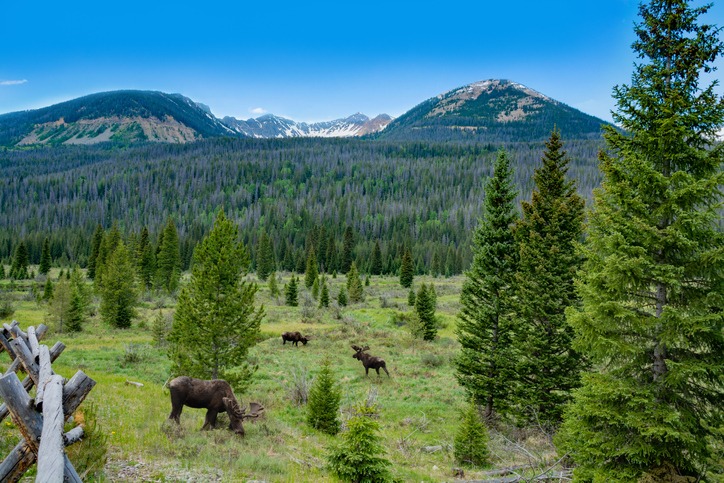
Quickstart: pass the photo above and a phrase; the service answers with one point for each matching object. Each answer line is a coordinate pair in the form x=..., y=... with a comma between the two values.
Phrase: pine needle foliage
x=355, y=289
x=45, y=257
x=216, y=322
x=652, y=285
x=484, y=329
x=358, y=457
x=311, y=272
x=265, y=263
x=471, y=438
x=323, y=401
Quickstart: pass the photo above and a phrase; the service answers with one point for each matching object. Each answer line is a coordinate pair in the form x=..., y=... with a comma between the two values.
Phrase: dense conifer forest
x=424, y=196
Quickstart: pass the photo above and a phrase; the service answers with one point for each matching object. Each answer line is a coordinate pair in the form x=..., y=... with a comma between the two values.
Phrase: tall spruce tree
x=355, y=289
x=347, y=250
x=21, y=260
x=168, y=261
x=264, y=257
x=425, y=310
x=45, y=257
x=96, y=240
x=311, y=272
x=547, y=367
x=652, y=286
x=118, y=293
x=291, y=292
x=407, y=269
x=146, y=259
x=376, y=261
x=216, y=307
x=484, y=330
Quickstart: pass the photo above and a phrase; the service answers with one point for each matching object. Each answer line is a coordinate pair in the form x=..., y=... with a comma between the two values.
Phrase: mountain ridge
x=493, y=110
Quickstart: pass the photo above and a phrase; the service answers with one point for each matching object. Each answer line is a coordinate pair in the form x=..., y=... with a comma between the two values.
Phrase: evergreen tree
x=95, y=248
x=484, y=329
x=347, y=250
x=217, y=306
x=376, y=262
x=471, y=438
x=59, y=304
x=45, y=257
x=367, y=280
x=108, y=245
x=19, y=267
x=407, y=269
x=118, y=293
x=355, y=289
x=652, y=285
x=168, y=261
x=324, y=296
x=291, y=294
x=79, y=301
x=311, y=273
x=146, y=259
x=273, y=285
x=411, y=297
x=2, y=270
x=342, y=297
x=323, y=402
x=159, y=329
x=425, y=310
x=548, y=369
x=358, y=457
x=332, y=256
x=48, y=290
x=315, y=289
x=264, y=257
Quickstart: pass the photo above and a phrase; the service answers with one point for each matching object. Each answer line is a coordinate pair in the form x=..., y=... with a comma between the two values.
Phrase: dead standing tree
x=40, y=420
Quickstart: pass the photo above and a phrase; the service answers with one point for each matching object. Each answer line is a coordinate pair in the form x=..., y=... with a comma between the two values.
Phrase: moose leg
x=367, y=371
x=385, y=369
x=210, y=421
x=176, y=413
x=378, y=371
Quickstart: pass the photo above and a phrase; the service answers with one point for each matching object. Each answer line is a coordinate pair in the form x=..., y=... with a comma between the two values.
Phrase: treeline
x=423, y=196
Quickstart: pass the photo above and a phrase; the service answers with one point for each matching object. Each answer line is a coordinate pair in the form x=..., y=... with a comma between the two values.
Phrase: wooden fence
x=40, y=419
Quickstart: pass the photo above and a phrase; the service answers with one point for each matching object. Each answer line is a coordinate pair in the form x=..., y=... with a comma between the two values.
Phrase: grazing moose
x=216, y=396
x=369, y=361
x=295, y=338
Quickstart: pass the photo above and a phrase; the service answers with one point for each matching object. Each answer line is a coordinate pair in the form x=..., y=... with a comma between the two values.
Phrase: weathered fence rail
x=39, y=419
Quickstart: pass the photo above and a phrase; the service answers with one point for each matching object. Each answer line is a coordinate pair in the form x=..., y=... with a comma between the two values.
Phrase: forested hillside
x=425, y=196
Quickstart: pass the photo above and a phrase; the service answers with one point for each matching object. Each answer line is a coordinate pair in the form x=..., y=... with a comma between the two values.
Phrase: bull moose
x=295, y=338
x=216, y=396
x=369, y=361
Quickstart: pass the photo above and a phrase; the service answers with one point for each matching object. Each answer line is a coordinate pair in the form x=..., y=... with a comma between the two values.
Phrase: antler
x=232, y=406
x=366, y=348
x=255, y=410
x=356, y=347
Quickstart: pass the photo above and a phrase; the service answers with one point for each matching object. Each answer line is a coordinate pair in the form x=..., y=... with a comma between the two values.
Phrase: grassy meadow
x=419, y=405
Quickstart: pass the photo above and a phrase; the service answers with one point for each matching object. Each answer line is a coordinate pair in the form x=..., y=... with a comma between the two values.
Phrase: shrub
x=324, y=398
x=89, y=455
x=471, y=439
x=299, y=390
x=357, y=457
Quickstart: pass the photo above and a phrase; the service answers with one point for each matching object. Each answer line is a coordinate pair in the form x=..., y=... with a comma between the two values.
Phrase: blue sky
x=313, y=61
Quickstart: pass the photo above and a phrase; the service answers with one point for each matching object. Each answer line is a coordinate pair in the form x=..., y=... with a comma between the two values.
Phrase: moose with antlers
x=216, y=396
x=369, y=361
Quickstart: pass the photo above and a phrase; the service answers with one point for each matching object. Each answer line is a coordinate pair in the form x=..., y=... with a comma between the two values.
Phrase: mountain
x=122, y=116
x=491, y=111
x=271, y=126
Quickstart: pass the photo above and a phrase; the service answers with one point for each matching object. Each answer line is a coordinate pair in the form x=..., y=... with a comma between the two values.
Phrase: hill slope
x=124, y=116
x=271, y=126
x=491, y=111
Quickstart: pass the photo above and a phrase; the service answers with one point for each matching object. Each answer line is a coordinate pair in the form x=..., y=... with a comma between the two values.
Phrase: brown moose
x=216, y=396
x=295, y=338
x=369, y=361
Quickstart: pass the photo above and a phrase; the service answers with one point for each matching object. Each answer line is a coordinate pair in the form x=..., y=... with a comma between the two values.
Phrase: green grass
x=418, y=406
